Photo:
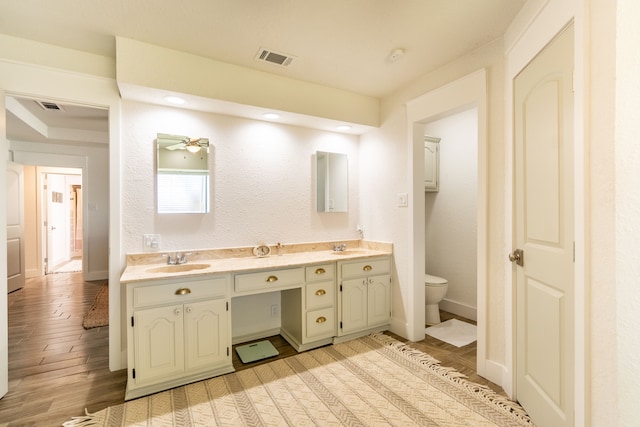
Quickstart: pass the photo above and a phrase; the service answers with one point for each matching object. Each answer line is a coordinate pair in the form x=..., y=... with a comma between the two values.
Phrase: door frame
x=521, y=46
x=19, y=78
x=466, y=92
x=42, y=214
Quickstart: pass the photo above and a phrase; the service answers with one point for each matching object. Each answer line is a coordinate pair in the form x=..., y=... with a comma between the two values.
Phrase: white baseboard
x=255, y=336
x=459, y=309
x=495, y=372
x=95, y=275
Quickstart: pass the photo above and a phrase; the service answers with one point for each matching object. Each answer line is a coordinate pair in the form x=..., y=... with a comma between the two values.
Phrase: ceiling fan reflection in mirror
x=175, y=142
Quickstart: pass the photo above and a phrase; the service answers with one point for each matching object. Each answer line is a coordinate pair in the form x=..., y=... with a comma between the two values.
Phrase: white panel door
x=544, y=212
x=15, y=227
x=56, y=223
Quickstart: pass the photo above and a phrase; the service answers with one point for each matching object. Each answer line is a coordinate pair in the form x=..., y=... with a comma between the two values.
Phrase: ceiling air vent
x=49, y=105
x=273, y=57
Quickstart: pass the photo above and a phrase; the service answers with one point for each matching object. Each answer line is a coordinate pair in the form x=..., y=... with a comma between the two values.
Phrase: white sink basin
x=178, y=268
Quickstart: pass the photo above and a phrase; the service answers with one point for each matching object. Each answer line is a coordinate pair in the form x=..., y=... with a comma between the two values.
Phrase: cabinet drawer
x=365, y=268
x=321, y=323
x=320, y=295
x=269, y=280
x=316, y=273
x=179, y=292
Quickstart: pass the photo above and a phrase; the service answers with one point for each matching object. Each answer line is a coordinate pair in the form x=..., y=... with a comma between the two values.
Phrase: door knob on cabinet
x=517, y=256
x=177, y=311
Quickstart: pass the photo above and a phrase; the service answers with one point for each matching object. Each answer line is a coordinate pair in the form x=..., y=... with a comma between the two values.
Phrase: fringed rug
x=370, y=381
x=98, y=314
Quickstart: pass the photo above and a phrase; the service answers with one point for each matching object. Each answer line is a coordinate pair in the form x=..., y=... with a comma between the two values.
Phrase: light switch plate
x=150, y=242
x=403, y=200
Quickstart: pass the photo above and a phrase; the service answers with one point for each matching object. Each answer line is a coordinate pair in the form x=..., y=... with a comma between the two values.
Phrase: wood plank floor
x=57, y=368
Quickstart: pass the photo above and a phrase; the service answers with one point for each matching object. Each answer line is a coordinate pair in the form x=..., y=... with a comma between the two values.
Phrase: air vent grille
x=273, y=57
x=51, y=106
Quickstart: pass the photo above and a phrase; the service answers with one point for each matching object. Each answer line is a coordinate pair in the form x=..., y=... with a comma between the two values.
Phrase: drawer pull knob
x=183, y=291
x=177, y=311
x=367, y=268
x=320, y=271
x=321, y=319
x=320, y=292
x=271, y=279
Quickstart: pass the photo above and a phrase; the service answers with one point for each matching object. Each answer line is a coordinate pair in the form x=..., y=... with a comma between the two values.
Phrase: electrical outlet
x=151, y=242
x=274, y=310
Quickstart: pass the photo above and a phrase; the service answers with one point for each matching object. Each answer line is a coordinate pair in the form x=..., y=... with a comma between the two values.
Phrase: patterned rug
x=98, y=314
x=373, y=380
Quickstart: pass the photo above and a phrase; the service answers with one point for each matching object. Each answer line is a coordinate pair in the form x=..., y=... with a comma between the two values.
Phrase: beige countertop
x=153, y=266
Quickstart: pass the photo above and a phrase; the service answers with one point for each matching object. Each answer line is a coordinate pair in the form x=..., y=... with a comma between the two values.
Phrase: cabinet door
x=158, y=335
x=353, y=313
x=431, y=164
x=379, y=300
x=206, y=334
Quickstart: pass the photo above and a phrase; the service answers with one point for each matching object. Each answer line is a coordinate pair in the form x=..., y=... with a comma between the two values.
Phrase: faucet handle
x=170, y=260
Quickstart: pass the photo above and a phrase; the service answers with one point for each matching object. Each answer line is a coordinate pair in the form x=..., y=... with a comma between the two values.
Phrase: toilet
x=435, y=289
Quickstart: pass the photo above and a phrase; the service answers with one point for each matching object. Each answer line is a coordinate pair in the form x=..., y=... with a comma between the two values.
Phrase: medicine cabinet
x=182, y=174
x=332, y=183
x=431, y=164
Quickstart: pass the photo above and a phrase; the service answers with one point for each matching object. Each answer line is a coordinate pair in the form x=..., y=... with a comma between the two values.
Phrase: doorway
x=463, y=94
x=450, y=212
x=62, y=213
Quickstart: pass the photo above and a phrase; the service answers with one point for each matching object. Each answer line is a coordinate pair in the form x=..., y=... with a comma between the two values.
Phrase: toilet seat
x=434, y=280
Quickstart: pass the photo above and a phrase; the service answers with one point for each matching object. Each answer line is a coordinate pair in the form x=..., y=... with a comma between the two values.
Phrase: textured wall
x=262, y=182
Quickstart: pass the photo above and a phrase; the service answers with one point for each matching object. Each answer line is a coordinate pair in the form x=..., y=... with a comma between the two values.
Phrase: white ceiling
x=339, y=43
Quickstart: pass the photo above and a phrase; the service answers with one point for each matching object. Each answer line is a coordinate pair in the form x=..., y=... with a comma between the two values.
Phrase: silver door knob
x=517, y=256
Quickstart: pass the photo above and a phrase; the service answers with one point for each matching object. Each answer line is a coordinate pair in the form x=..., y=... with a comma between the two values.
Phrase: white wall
x=627, y=159
x=451, y=213
x=387, y=149
x=262, y=182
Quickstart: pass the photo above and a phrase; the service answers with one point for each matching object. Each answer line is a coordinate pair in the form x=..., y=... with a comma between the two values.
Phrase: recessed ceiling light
x=343, y=127
x=271, y=116
x=174, y=100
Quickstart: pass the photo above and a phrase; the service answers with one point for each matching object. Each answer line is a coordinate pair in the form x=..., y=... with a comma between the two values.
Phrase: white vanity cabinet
x=364, y=298
x=309, y=313
x=178, y=332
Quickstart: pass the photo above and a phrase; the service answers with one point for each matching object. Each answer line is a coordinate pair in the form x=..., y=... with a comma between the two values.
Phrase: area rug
x=369, y=381
x=98, y=314
x=454, y=332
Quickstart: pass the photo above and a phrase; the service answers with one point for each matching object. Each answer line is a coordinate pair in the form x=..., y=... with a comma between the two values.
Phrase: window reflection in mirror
x=182, y=174
x=332, y=182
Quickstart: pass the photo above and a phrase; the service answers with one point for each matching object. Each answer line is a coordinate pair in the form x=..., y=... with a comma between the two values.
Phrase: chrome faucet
x=177, y=258
x=339, y=247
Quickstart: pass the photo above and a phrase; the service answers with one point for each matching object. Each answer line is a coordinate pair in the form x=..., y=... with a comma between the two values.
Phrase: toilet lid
x=434, y=280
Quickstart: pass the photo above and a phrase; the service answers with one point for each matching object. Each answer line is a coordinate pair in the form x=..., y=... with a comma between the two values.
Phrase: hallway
x=56, y=367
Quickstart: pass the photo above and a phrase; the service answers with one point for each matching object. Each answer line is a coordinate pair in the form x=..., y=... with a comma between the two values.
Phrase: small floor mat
x=256, y=351
x=454, y=332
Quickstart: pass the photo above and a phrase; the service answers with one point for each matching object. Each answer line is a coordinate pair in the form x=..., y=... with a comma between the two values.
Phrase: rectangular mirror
x=332, y=182
x=182, y=174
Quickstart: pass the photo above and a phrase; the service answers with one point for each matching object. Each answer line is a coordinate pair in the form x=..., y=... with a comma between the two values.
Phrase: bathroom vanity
x=179, y=316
